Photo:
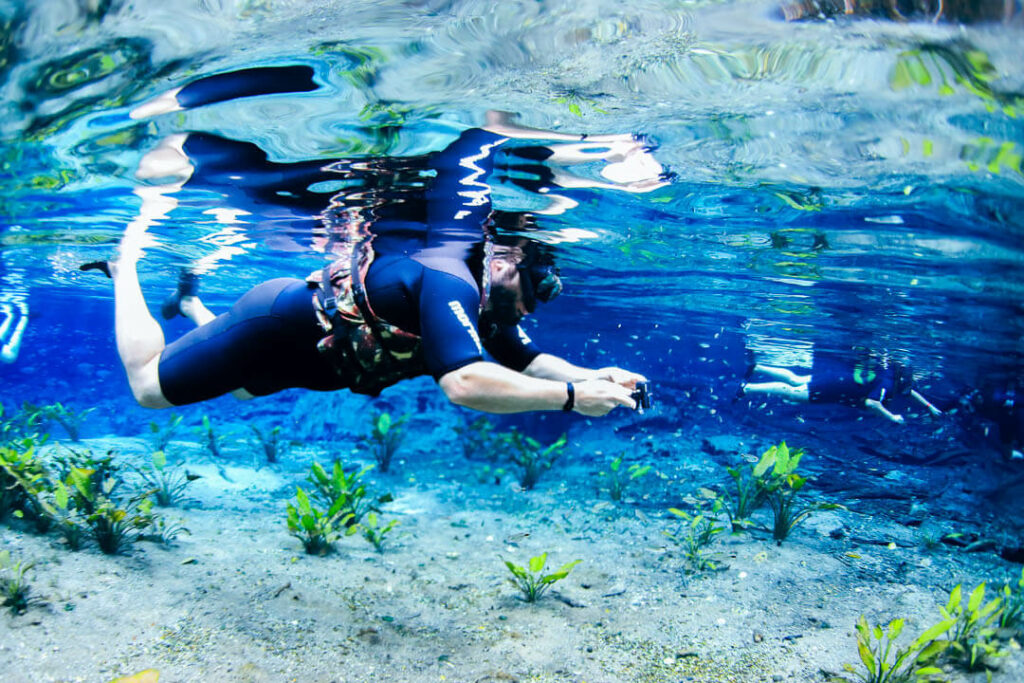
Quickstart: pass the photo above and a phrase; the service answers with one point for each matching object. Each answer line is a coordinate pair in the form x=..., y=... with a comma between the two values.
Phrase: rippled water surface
x=851, y=181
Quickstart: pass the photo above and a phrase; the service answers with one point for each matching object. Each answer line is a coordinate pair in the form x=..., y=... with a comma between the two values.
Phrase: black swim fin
x=102, y=266
x=188, y=285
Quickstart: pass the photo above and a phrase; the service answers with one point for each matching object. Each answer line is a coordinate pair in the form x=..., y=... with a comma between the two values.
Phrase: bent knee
x=145, y=385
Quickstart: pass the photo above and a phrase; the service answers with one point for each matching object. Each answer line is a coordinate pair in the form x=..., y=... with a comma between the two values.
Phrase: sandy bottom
x=238, y=600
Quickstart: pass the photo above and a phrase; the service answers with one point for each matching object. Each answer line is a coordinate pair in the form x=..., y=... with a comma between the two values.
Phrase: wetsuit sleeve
x=511, y=347
x=448, y=322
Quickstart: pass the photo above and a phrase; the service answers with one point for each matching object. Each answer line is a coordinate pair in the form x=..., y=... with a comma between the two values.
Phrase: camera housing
x=642, y=395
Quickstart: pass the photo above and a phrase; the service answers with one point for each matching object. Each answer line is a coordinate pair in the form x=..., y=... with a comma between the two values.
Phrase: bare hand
x=597, y=397
x=623, y=378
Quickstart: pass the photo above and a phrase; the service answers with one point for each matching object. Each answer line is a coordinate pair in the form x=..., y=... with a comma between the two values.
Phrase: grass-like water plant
x=115, y=521
x=375, y=532
x=531, y=580
x=698, y=531
x=973, y=641
x=883, y=661
x=162, y=434
x=165, y=483
x=21, y=471
x=783, y=485
x=618, y=478
x=1012, y=613
x=345, y=488
x=386, y=435
x=68, y=418
x=748, y=495
x=532, y=458
x=318, y=530
x=270, y=441
x=480, y=440
x=210, y=437
x=15, y=590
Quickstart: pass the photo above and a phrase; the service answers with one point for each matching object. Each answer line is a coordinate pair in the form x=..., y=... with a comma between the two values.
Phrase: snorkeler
x=866, y=383
x=424, y=293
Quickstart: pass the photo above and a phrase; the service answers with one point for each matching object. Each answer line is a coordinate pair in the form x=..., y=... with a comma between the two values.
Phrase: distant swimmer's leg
x=786, y=391
x=268, y=80
x=787, y=376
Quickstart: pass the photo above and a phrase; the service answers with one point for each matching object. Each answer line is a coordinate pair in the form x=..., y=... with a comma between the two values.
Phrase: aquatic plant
x=618, y=478
x=114, y=522
x=490, y=475
x=68, y=418
x=699, y=531
x=374, y=532
x=164, y=531
x=385, y=438
x=749, y=495
x=885, y=662
x=70, y=523
x=274, y=448
x=479, y=440
x=14, y=587
x=167, y=484
x=972, y=638
x=19, y=426
x=210, y=437
x=20, y=469
x=317, y=530
x=1012, y=614
x=346, y=489
x=531, y=581
x=162, y=435
x=532, y=458
x=782, y=486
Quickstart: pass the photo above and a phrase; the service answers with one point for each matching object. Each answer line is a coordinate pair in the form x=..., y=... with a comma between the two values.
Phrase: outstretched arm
x=493, y=388
x=546, y=366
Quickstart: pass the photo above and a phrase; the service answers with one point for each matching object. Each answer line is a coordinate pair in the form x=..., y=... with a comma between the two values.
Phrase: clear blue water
x=894, y=147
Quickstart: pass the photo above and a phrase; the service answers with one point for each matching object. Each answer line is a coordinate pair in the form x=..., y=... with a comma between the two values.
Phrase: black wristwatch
x=571, y=401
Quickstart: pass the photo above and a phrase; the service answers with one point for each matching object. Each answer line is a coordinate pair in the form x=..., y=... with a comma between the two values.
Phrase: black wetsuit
x=419, y=281
x=836, y=380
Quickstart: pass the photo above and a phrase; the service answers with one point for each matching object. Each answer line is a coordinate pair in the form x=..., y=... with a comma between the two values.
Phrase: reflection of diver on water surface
x=962, y=11
x=418, y=285
x=861, y=382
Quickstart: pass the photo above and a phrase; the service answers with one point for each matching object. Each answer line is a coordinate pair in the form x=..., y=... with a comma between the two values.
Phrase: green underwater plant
x=20, y=471
x=618, y=478
x=374, y=532
x=532, y=457
x=972, y=637
x=782, y=486
x=346, y=489
x=1012, y=614
x=166, y=484
x=385, y=438
x=210, y=437
x=699, y=531
x=274, y=448
x=68, y=418
x=885, y=662
x=21, y=425
x=114, y=521
x=162, y=435
x=479, y=440
x=14, y=587
x=749, y=496
x=531, y=581
x=318, y=531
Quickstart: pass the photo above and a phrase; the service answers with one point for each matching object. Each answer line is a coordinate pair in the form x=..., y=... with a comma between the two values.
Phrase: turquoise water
x=839, y=184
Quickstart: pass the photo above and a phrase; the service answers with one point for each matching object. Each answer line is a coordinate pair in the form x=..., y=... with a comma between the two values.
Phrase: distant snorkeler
x=861, y=382
x=999, y=411
x=420, y=282
x=959, y=11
